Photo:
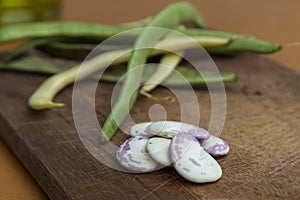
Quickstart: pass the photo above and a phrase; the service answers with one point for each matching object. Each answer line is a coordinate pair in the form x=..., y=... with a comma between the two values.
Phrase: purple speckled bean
x=215, y=146
x=133, y=155
x=198, y=133
x=124, y=148
x=191, y=161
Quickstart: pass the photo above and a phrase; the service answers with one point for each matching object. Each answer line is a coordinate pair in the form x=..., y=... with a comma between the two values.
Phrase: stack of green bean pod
x=71, y=38
x=74, y=41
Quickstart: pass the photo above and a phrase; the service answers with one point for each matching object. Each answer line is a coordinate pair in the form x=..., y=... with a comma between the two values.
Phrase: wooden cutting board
x=262, y=128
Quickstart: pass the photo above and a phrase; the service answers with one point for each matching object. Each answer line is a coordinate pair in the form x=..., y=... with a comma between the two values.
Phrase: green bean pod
x=98, y=32
x=64, y=48
x=22, y=31
x=240, y=43
x=170, y=17
x=39, y=65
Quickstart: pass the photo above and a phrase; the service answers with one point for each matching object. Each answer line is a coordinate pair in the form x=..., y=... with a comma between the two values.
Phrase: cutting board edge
x=30, y=161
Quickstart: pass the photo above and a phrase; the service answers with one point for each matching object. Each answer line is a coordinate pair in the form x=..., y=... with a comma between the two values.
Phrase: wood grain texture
x=262, y=129
x=274, y=21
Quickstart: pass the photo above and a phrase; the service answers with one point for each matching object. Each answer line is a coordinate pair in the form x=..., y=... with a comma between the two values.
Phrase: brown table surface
x=275, y=21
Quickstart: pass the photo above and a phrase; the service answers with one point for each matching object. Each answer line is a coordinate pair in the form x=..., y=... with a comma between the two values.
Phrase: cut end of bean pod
x=279, y=47
x=41, y=104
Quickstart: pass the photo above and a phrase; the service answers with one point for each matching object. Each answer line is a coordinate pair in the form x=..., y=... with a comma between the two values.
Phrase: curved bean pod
x=170, y=17
x=167, y=65
x=42, y=97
